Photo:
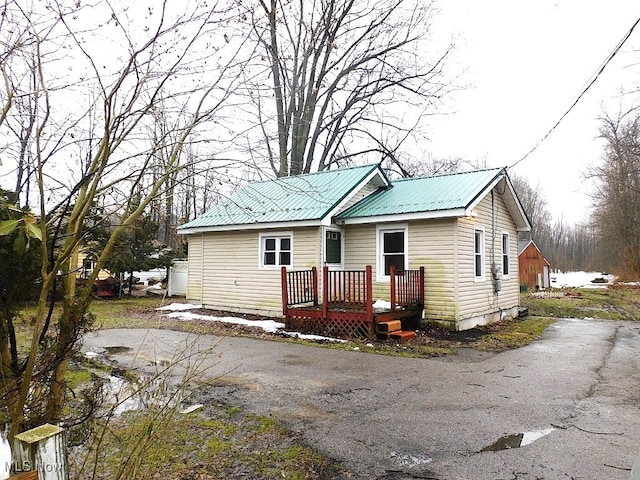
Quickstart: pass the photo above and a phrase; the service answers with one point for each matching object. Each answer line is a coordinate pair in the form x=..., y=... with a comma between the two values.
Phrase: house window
x=478, y=254
x=88, y=264
x=392, y=247
x=275, y=251
x=333, y=246
x=505, y=254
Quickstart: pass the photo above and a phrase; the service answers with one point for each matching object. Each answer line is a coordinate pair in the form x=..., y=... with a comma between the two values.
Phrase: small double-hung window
x=276, y=250
x=478, y=256
x=392, y=250
x=505, y=254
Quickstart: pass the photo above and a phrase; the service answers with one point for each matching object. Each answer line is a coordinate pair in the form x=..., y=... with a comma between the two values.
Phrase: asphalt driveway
x=571, y=400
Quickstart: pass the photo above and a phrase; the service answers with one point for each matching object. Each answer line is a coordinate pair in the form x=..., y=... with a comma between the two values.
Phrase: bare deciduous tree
x=616, y=199
x=535, y=206
x=343, y=75
x=101, y=73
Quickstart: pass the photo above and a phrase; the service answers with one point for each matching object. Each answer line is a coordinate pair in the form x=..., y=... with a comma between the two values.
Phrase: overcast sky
x=526, y=63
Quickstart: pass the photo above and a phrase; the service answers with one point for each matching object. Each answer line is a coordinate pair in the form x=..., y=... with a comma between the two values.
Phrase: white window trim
x=324, y=246
x=380, y=230
x=508, y=254
x=261, y=237
x=482, y=276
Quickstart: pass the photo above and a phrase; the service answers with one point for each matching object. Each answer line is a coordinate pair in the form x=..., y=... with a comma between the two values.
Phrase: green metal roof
x=425, y=194
x=296, y=198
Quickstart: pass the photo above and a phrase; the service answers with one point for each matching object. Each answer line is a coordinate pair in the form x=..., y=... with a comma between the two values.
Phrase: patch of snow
x=270, y=326
x=179, y=306
x=579, y=279
x=192, y=408
x=121, y=395
x=382, y=304
x=306, y=336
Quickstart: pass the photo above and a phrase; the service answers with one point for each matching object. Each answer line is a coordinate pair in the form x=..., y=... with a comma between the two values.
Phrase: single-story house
x=461, y=227
x=534, y=269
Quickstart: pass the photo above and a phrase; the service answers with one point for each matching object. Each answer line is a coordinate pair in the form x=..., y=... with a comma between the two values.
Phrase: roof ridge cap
x=301, y=175
x=450, y=174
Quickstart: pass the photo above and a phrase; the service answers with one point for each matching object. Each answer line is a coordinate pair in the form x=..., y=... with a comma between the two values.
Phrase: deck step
x=402, y=335
x=389, y=326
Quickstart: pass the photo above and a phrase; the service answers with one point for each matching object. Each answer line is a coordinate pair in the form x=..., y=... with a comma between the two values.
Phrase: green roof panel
x=425, y=194
x=296, y=198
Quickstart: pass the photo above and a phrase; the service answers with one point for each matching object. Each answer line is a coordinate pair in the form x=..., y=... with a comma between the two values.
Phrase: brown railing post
x=285, y=293
x=421, y=287
x=392, y=286
x=314, y=276
x=325, y=292
x=369, y=293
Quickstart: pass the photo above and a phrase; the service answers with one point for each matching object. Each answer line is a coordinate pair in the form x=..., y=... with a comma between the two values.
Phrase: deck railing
x=346, y=304
x=299, y=288
x=348, y=289
x=407, y=287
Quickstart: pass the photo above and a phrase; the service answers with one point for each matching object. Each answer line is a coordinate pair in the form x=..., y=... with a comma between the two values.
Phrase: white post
x=5, y=452
x=43, y=449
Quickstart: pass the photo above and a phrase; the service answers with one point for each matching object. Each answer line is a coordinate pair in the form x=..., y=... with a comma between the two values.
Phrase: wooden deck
x=346, y=307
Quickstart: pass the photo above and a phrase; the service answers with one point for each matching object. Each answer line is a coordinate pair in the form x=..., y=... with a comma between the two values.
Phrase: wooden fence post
x=42, y=450
x=5, y=452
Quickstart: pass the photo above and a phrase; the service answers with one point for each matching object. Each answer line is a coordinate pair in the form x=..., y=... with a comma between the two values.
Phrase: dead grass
x=215, y=442
x=617, y=302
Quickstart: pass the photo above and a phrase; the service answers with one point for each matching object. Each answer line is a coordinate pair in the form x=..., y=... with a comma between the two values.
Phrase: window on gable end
x=478, y=254
x=505, y=254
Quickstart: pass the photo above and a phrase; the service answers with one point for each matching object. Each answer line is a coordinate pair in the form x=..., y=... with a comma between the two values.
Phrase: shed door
x=546, y=276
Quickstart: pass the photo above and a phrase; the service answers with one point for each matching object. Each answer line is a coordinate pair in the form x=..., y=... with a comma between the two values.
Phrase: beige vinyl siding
x=510, y=292
x=433, y=244
x=477, y=298
x=445, y=247
x=195, y=268
x=232, y=278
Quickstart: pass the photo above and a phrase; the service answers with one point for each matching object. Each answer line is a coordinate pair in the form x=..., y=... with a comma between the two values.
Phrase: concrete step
x=390, y=326
x=402, y=335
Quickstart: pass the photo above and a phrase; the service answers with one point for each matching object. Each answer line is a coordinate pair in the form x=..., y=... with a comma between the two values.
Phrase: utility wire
x=584, y=91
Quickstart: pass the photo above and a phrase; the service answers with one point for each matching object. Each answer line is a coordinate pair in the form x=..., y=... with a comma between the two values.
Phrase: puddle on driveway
x=124, y=395
x=116, y=349
x=409, y=460
x=517, y=440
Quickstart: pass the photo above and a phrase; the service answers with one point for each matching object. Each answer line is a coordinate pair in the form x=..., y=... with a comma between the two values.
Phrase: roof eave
x=254, y=226
x=402, y=217
x=513, y=202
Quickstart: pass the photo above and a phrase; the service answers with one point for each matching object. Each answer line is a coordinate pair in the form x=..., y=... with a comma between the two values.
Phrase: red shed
x=534, y=269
